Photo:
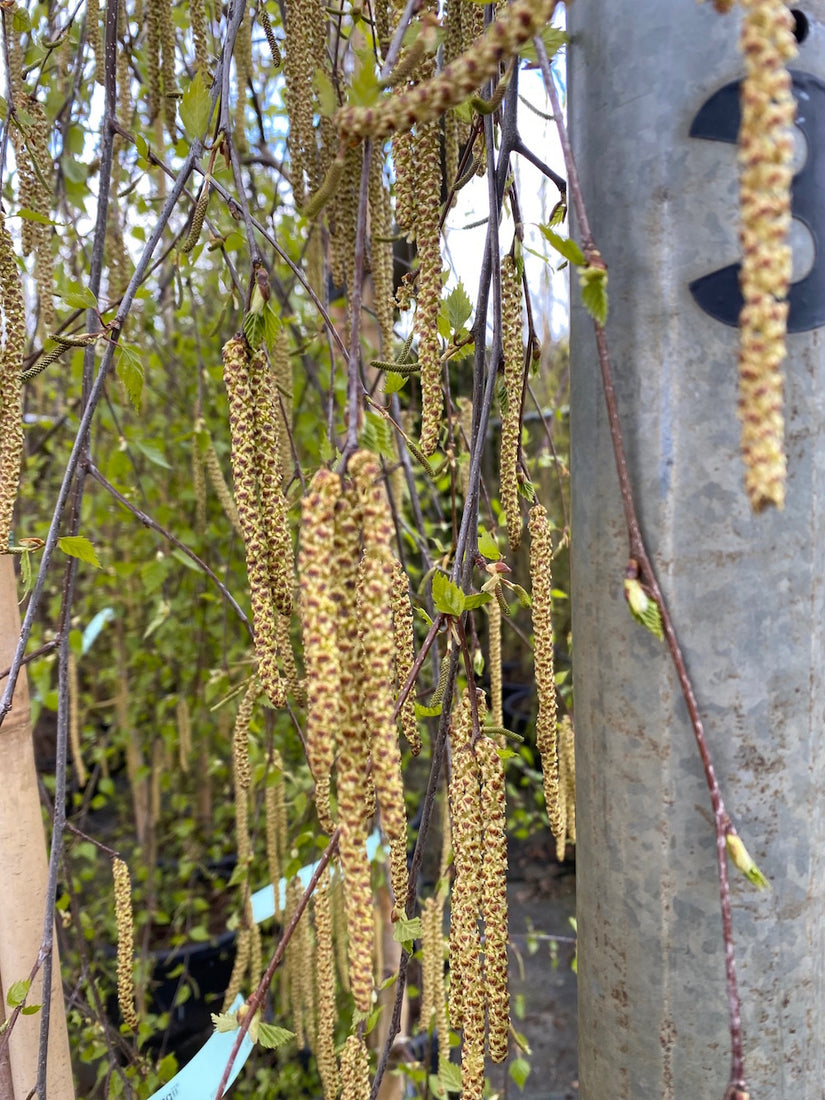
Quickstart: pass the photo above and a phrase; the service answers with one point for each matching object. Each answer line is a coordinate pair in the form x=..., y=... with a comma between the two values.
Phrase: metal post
x=747, y=593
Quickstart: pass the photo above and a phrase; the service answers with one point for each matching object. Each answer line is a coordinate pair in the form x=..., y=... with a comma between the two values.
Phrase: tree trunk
x=23, y=874
x=745, y=592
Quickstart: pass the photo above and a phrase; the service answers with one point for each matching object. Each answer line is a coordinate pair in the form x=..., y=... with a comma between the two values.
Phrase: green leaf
x=564, y=245
x=393, y=382
x=406, y=929
x=225, y=1021
x=478, y=600
x=34, y=216
x=195, y=108
x=519, y=1071
x=642, y=608
x=593, y=282
x=449, y=1075
x=78, y=297
x=326, y=93
x=130, y=372
x=459, y=307
x=77, y=546
x=364, y=89
x=272, y=1037
x=487, y=545
x=30, y=1010
x=447, y=597
x=17, y=992
x=553, y=40
x=153, y=454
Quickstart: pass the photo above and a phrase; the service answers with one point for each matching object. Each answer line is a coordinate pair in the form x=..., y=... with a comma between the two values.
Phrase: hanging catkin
x=494, y=896
x=428, y=241
x=317, y=565
x=125, y=944
x=467, y=994
x=242, y=423
x=355, y=1070
x=11, y=365
x=275, y=814
x=765, y=162
x=404, y=638
x=375, y=621
x=381, y=250
x=541, y=552
x=567, y=781
x=325, y=985
x=513, y=346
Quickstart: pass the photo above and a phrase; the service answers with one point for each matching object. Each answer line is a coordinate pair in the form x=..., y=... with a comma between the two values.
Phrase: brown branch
x=640, y=562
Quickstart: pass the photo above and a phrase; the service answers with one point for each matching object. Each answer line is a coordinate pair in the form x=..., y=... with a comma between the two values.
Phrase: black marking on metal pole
x=718, y=120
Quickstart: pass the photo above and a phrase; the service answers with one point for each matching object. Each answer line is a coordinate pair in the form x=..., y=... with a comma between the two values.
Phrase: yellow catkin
x=287, y=658
x=282, y=370
x=199, y=479
x=299, y=66
x=765, y=172
x=274, y=517
x=467, y=993
x=344, y=223
x=494, y=654
x=355, y=1070
x=428, y=239
x=74, y=722
x=319, y=614
x=567, y=776
x=41, y=235
x=339, y=928
x=243, y=74
x=381, y=251
x=125, y=943
x=222, y=492
x=243, y=953
x=325, y=988
x=429, y=99
x=404, y=165
x=541, y=552
x=166, y=28
x=431, y=952
x=197, y=21
x=305, y=946
x=442, y=1025
x=494, y=896
x=513, y=345
x=404, y=637
x=184, y=734
x=242, y=423
x=93, y=37
x=375, y=624
x=11, y=397
x=275, y=814
x=153, y=25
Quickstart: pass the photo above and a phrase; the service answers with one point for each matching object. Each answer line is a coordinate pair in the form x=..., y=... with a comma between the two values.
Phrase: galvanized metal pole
x=747, y=593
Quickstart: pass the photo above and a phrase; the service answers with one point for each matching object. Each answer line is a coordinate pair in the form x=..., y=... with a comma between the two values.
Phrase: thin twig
x=640, y=561
x=147, y=521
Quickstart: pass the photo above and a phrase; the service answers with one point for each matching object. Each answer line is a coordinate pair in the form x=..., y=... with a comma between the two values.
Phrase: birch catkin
x=765, y=160
x=494, y=896
x=541, y=552
x=511, y=415
x=125, y=944
x=11, y=365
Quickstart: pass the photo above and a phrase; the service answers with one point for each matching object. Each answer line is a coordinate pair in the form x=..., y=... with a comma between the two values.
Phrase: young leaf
x=130, y=372
x=472, y=602
x=564, y=245
x=272, y=1037
x=447, y=597
x=17, y=992
x=459, y=307
x=77, y=546
x=195, y=108
x=393, y=382
x=449, y=1075
x=225, y=1021
x=406, y=929
x=487, y=545
x=78, y=297
x=593, y=281
x=519, y=1071
x=642, y=608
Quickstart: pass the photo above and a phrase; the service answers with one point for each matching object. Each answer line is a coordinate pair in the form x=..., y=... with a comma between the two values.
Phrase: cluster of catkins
x=765, y=161
x=352, y=608
x=478, y=969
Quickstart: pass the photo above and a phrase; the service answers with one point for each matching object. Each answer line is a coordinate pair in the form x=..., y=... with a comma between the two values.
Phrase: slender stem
x=254, y=1002
x=641, y=561
x=147, y=521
